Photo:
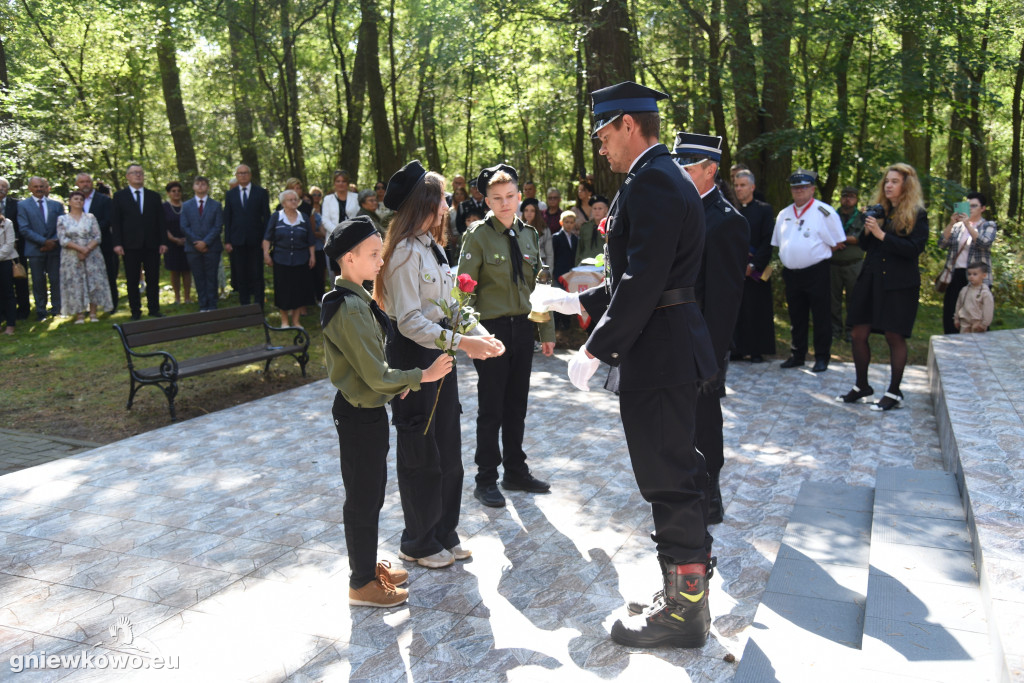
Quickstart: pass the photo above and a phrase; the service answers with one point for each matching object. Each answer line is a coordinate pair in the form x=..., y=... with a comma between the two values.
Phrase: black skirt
x=291, y=287
x=886, y=310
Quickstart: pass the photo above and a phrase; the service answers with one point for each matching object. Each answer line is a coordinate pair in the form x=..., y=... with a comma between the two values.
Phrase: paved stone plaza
x=220, y=540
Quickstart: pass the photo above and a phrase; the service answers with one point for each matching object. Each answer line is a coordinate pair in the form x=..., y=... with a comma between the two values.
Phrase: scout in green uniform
x=591, y=241
x=504, y=258
x=354, y=333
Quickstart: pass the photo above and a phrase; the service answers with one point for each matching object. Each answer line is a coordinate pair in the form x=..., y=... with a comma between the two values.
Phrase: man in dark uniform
x=719, y=292
x=755, y=325
x=651, y=329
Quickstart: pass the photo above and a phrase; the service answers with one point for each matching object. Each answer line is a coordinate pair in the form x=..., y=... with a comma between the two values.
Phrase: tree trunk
x=610, y=60
x=776, y=94
x=370, y=34
x=579, y=160
x=835, y=157
x=957, y=122
x=181, y=134
x=355, y=102
x=862, y=135
x=244, y=121
x=469, y=119
x=5, y=83
x=394, y=76
x=743, y=67
x=699, y=60
x=715, y=83
x=911, y=96
x=1013, y=210
x=297, y=156
x=980, y=178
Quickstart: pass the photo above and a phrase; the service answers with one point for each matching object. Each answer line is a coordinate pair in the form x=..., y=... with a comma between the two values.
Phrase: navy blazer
x=102, y=208
x=244, y=226
x=133, y=230
x=655, y=231
x=202, y=229
x=34, y=231
x=565, y=246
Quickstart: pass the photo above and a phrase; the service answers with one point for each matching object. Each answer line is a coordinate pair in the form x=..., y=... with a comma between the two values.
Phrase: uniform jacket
x=244, y=226
x=655, y=233
x=133, y=230
x=205, y=228
x=33, y=229
x=720, y=283
x=896, y=257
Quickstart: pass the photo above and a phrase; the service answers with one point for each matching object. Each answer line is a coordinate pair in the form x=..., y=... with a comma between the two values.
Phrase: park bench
x=142, y=333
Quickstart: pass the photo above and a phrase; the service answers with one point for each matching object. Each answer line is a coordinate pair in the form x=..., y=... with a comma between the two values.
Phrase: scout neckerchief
x=332, y=302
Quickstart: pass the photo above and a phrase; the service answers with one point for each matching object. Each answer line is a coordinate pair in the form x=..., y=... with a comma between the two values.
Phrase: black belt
x=674, y=297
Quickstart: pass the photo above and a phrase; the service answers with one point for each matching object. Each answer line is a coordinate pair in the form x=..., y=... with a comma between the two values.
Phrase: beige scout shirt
x=974, y=306
x=413, y=280
x=354, y=352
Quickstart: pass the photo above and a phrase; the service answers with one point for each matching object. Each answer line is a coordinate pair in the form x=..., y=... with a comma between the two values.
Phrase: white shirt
x=141, y=196
x=331, y=214
x=87, y=203
x=807, y=239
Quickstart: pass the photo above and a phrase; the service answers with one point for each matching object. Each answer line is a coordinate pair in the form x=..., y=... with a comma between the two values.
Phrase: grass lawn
x=69, y=380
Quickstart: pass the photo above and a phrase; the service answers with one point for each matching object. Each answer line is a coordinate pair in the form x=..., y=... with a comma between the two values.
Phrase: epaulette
x=825, y=212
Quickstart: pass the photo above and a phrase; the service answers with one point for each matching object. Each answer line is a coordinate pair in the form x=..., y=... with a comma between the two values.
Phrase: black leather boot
x=715, y=508
x=679, y=617
x=634, y=607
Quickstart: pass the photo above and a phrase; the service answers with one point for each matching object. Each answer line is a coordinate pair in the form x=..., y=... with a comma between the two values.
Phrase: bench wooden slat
x=176, y=333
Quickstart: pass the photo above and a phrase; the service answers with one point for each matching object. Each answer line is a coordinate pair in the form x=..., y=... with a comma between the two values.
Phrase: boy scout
x=354, y=332
x=504, y=258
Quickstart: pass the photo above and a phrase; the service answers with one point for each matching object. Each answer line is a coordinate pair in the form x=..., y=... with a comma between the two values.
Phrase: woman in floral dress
x=83, y=275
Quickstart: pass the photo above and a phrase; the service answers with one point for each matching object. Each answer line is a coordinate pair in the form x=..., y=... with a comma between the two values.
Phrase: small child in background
x=974, y=306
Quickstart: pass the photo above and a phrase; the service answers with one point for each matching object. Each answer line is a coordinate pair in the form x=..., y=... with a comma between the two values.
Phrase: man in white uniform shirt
x=806, y=232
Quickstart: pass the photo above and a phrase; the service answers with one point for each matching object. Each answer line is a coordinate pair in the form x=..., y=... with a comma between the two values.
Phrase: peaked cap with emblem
x=485, y=176
x=689, y=148
x=623, y=98
x=802, y=176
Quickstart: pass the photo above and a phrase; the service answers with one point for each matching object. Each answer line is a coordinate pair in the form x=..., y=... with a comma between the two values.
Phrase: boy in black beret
x=355, y=330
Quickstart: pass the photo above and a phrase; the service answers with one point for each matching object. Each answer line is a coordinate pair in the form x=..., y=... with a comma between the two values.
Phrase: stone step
x=924, y=616
x=810, y=621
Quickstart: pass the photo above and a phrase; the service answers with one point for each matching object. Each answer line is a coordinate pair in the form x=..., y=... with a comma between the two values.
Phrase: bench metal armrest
x=301, y=336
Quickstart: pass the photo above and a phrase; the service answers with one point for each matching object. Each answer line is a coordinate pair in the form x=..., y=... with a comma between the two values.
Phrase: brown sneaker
x=377, y=593
x=396, y=576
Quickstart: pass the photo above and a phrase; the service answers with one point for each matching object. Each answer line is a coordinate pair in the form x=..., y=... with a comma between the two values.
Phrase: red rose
x=601, y=226
x=466, y=283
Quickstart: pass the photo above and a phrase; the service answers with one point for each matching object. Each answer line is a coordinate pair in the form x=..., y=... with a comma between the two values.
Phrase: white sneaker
x=460, y=553
x=439, y=559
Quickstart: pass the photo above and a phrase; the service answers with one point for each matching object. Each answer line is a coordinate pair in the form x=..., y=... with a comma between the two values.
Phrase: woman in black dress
x=174, y=260
x=885, y=297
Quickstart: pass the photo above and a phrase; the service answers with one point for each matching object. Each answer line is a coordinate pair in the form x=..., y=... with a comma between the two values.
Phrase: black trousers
x=708, y=432
x=669, y=470
x=21, y=284
x=957, y=283
x=363, y=448
x=247, y=273
x=134, y=261
x=808, y=294
x=8, y=302
x=112, y=266
x=429, y=465
x=503, y=389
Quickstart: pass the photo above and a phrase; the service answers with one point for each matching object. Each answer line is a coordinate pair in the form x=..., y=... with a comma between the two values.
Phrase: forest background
x=844, y=87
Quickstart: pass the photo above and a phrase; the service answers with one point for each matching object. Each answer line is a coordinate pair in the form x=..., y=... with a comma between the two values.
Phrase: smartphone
x=962, y=207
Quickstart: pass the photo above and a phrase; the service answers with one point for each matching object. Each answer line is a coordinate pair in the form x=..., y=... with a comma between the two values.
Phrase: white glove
x=582, y=368
x=548, y=298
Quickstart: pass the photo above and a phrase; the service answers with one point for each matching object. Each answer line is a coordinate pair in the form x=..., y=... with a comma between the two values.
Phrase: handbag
x=19, y=270
x=946, y=276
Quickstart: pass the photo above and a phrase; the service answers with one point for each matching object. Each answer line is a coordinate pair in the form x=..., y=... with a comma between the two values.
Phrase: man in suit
x=651, y=330
x=246, y=214
x=101, y=206
x=719, y=292
x=136, y=220
x=201, y=221
x=9, y=207
x=37, y=219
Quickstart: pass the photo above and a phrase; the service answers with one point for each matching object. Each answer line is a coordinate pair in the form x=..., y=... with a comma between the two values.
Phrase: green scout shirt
x=486, y=258
x=354, y=350
x=589, y=246
x=853, y=226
